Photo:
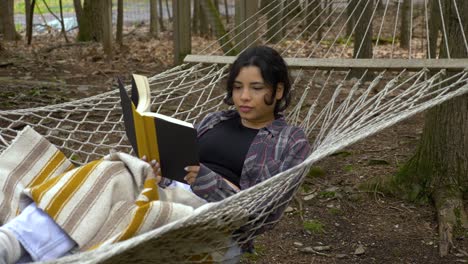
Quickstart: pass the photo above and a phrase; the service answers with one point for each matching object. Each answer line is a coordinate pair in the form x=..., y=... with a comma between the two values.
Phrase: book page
x=144, y=93
x=168, y=118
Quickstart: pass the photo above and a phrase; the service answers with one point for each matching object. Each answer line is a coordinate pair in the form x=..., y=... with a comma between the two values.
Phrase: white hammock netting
x=330, y=103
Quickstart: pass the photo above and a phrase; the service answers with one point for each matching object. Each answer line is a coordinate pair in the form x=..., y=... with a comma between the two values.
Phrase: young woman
x=242, y=147
x=238, y=149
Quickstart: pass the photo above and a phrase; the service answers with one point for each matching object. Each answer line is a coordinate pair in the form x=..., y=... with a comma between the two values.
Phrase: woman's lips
x=245, y=109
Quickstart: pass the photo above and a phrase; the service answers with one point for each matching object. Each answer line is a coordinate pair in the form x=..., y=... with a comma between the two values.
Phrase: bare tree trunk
x=445, y=136
x=405, y=30
x=168, y=10
x=204, y=21
x=363, y=35
x=434, y=28
x=161, y=16
x=106, y=9
x=154, y=31
x=60, y=19
x=91, y=28
x=313, y=20
x=214, y=19
x=7, y=20
x=247, y=32
x=120, y=22
x=62, y=24
x=78, y=11
x=440, y=165
x=196, y=17
x=226, y=10
x=182, y=34
x=351, y=17
x=275, y=21
x=29, y=6
x=329, y=11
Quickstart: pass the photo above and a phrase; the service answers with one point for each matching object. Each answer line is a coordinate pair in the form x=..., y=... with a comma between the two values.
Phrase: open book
x=172, y=142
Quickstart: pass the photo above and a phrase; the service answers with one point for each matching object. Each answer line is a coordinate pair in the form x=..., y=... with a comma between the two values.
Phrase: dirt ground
x=338, y=223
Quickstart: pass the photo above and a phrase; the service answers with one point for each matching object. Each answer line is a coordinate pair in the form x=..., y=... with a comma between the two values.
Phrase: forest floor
x=338, y=223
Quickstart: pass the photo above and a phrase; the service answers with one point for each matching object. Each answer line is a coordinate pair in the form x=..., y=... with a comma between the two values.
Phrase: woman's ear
x=279, y=91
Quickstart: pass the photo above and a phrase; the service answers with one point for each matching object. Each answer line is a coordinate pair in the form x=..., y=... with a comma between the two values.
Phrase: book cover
x=172, y=142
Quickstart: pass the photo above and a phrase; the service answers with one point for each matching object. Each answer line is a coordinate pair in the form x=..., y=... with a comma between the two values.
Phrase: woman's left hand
x=192, y=173
x=156, y=169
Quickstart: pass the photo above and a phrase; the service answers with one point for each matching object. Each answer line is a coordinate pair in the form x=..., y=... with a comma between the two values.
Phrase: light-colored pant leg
x=40, y=236
x=10, y=248
x=233, y=254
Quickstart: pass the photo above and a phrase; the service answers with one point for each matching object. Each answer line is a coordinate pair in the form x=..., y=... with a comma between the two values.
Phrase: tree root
x=452, y=218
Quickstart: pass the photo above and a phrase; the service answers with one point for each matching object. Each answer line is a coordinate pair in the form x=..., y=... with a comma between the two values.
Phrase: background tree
x=434, y=27
x=78, y=12
x=120, y=22
x=405, y=26
x=161, y=16
x=313, y=21
x=7, y=20
x=60, y=19
x=91, y=21
x=214, y=19
x=29, y=11
x=246, y=33
x=275, y=20
x=154, y=31
x=439, y=168
x=362, y=35
x=182, y=35
x=350, y=9
x=106, y=26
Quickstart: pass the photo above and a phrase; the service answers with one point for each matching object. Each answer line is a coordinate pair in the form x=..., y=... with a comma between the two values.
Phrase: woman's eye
x=237, y=87
x=257, y=88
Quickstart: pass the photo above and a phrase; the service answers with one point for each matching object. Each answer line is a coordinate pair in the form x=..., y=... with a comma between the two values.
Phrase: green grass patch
x=314, y=226
x=305, y=188
x=255, y=256
x=327, y=194
x=385, y=41
x=34, y=92
x=53, y=5
x=19, y=27
x=349, y=168
x=335, y=211
x=399, y=186
x=316, y=171
x=74, y=157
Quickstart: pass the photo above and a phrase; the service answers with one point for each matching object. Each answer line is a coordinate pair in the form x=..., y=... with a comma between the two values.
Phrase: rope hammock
x=338, y=100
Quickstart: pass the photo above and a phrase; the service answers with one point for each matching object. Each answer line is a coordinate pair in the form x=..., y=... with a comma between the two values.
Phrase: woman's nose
x=245, y=94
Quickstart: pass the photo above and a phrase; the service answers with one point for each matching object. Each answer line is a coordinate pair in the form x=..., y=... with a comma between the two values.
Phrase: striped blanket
x=102, y=202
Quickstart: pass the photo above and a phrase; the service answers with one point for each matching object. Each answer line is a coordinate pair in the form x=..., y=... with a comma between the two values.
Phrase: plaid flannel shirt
x=276, y=148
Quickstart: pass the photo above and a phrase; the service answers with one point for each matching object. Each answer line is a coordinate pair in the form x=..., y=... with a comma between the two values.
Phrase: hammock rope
x=334, y=108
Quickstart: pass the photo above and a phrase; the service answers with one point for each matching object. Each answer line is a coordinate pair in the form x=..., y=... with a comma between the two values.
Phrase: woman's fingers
x=192, y=172
x=158, y=179
x=156, y=168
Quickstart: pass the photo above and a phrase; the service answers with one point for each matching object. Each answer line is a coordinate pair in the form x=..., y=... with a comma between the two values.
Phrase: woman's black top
x=224, y=147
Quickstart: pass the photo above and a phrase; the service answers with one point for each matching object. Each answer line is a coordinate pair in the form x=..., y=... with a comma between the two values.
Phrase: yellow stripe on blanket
x=70, y=188
x=137, y=221
x=52, y=165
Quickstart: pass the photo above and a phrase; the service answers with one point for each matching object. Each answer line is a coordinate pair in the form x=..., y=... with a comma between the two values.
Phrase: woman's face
x=249, y=94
